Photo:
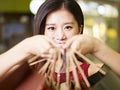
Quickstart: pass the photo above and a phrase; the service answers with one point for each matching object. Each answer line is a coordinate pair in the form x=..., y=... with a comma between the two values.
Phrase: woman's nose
x=60, y=35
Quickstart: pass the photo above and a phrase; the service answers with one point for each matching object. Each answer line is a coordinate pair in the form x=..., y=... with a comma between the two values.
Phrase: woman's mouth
x=59, y=44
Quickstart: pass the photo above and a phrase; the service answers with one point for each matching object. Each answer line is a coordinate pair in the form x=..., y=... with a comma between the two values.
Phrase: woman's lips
x=59, y=44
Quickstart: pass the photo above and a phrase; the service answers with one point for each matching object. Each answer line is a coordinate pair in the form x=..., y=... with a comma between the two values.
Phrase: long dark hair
x=53, y=5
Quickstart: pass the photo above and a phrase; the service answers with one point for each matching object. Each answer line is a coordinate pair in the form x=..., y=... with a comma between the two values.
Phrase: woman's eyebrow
x=69, y=23
x=64, y=23
x=49, y=24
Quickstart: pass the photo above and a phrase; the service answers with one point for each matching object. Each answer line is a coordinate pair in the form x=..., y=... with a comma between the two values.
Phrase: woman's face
x=61, y=26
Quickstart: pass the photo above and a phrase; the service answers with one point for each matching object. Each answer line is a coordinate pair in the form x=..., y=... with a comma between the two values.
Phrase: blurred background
x=102, y=20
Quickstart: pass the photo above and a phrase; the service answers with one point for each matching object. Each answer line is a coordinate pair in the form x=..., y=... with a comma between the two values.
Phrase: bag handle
x=90, y=62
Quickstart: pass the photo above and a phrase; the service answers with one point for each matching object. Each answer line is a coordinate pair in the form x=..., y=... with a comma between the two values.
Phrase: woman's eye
x=51, y=28
x=68, y=27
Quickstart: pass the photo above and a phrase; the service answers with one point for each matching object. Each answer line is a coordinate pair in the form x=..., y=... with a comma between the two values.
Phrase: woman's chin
x=59, y=46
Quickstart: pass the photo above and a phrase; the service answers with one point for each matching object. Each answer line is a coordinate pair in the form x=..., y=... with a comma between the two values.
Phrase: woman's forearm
x=108, y=56
x=12, y=57
x=28, y=47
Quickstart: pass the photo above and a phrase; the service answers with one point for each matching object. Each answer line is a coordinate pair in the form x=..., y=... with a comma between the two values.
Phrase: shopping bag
x=11, y=80
x=23, y=78
x=110, y=81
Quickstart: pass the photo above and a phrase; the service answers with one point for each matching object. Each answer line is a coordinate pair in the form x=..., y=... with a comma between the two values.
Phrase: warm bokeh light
x=34, y=5
x=111, y=33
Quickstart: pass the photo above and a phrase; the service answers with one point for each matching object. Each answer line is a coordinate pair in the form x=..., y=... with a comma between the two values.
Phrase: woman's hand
x=82, y=43
x=35, y=45
x=88, y=44
x=38, y=44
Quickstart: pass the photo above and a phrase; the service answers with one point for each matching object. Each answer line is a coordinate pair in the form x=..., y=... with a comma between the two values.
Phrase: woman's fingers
x=39, y=44
x=69, y=43
x=50, y=41
x=81, y=43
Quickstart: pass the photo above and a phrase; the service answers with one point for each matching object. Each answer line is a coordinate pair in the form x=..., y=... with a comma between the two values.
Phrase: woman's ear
x=81, y=29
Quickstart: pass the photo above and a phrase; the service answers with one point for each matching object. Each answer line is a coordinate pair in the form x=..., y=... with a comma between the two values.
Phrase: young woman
x=59, y=23
x=63, y=22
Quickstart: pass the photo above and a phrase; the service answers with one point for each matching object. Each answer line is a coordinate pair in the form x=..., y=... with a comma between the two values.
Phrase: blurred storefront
x=14, y=27
x=16, y=22
x=102, y=19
